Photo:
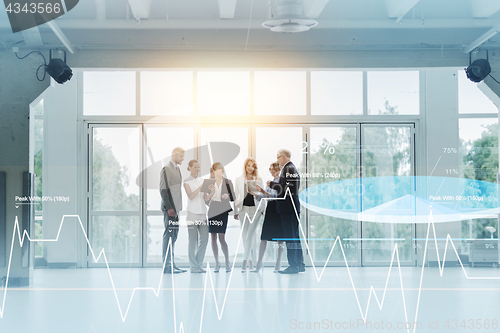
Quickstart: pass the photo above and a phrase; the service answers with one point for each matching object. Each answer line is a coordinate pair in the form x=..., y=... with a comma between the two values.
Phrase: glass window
x=336, y=93
x=235, y=135
x=333, y=151
x=38, y=108
x=166, y=93
x=479, y=161
x=223, y=93
x=393, y=92
x=471, y=99
x=479, y=148
x=38, y=161
x=270, y=139
x=38, y=166
x=280, y=93
x=386, y=152
x=119, y=236
x=116, y=164
x=109, y=93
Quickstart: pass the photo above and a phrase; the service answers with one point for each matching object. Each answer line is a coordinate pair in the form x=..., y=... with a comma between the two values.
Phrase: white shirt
x=197, y=204
x=217, y=194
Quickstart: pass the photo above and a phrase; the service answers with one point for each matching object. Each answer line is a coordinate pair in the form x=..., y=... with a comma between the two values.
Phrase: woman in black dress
x=271, y=228
x=221, y=193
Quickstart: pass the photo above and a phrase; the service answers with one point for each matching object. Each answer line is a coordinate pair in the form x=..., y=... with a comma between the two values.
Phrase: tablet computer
x=206, y=184
x=252, y=186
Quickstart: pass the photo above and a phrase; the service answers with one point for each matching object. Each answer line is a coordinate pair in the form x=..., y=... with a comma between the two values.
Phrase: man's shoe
x=290, y=270
x=179, y=269
x=170, y=271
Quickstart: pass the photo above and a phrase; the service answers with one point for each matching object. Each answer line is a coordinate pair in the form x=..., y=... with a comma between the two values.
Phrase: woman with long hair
x=196, y=218
x=246, y=203
x=271, y=228
x=221, y=193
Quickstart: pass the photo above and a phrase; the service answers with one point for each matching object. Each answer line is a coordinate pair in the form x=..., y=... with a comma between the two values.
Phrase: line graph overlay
x=395, y=257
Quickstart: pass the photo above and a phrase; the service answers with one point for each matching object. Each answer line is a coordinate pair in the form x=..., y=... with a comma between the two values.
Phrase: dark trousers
x=171, y=232
x=293, y=248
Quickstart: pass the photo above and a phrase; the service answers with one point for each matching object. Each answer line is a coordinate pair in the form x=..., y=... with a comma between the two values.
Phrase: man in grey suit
x=171, y=205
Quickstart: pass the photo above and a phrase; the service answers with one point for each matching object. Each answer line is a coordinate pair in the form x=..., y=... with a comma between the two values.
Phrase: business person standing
x=221, y=193
x=196, y=218
x=171, y=205
x=289, y=179
x=272, y=228
x=247, y=204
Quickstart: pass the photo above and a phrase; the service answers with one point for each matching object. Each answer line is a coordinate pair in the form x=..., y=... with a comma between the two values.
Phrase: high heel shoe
x=257, y=268
x=228, y=267
x=244, y=266
x=217, y=270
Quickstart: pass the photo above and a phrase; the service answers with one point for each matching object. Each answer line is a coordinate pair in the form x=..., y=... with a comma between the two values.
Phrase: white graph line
x=25, y=235
x=156, y=291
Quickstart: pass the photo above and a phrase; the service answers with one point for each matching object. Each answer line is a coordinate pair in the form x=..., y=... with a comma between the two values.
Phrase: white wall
x=18, y=88
x=60, y=172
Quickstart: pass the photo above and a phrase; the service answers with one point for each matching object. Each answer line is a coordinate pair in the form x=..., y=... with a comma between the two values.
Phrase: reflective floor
x=83, y=300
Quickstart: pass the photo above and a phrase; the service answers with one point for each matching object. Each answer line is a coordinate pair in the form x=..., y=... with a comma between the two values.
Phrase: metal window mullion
x=308, y=93
x=195, y=93
x=306, y=135
x=143, y=197
x=252, y=93
x=138, y=93
x=365, y=93
x=359, y=175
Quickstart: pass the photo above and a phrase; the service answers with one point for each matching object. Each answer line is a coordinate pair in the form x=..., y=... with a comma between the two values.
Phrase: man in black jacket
x=289, y=179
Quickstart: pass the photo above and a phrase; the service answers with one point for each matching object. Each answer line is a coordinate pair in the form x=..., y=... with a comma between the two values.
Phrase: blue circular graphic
x=403, y=199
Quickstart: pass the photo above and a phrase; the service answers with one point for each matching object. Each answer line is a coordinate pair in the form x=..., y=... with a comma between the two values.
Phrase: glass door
x=333, y=164
x=372, y=162
x=114, y=196
x=159, y=141
x=386, y=166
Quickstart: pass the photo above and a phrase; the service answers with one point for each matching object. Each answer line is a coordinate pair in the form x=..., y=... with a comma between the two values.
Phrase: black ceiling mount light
x=58, y=69
x=479, y=69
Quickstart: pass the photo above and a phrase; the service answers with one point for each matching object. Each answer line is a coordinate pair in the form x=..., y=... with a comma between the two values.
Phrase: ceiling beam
x=62, y=37
x=227, y=8
x=398, y=8
x=32, y=37
x=482, y=39
x=140, y=8
x=484, y=8
x=417, y=24
x=313, y=8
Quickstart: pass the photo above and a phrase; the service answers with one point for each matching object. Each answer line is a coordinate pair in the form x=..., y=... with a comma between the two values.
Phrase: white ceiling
x=197, y=24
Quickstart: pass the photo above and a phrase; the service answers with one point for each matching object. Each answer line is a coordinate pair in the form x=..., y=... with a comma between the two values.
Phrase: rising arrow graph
x=23, y=236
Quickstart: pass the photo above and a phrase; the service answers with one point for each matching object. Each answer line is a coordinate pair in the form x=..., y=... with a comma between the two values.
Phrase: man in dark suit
x=289, y=179
x=171, y=205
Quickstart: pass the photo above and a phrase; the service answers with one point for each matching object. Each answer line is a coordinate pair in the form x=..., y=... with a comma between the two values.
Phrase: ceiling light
x=479, y=69
x=58, y=69
x=289, y=17
x=290, y=25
